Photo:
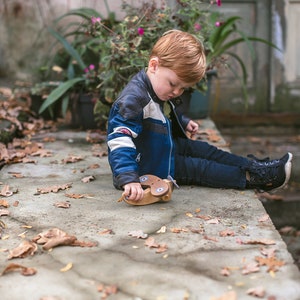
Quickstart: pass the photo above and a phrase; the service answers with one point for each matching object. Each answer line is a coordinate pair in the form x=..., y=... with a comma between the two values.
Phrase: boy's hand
x=192, y=127
x=133, y=191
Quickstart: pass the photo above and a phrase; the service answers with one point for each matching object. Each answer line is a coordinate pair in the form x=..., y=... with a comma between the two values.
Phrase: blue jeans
x=199, y=163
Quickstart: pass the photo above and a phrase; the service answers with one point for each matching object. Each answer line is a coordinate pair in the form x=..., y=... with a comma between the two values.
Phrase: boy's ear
x=153, y=63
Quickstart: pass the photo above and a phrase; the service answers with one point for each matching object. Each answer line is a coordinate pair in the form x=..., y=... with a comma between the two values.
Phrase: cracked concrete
x=188, y=270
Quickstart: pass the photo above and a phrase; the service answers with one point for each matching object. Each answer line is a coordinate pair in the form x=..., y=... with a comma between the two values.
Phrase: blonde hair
x=183, y=53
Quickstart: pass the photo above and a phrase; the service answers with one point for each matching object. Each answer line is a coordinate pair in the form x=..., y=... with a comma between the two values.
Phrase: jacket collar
x=146, y=80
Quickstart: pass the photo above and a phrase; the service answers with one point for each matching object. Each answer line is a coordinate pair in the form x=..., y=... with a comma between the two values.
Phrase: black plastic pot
x=83, y=111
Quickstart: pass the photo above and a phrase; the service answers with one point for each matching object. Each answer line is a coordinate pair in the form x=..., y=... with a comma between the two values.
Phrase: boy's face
x=165, y=82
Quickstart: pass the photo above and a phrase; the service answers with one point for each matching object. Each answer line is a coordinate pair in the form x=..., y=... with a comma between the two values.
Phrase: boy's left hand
x=192, y=127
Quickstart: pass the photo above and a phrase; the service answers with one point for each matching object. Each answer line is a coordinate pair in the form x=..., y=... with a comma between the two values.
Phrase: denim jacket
x=139, y=135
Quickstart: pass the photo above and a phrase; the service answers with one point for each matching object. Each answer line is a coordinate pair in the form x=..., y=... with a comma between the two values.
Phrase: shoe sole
x=287, y=169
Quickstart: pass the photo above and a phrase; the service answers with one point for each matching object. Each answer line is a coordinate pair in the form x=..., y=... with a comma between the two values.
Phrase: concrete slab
x=189, y=269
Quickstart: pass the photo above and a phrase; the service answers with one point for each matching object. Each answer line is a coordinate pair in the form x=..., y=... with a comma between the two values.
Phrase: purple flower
x=95, y=20
x=197, y=27
x=218, y=24
x=141, y=31
x=219, y=2
x=91, y=67
x=86, y=70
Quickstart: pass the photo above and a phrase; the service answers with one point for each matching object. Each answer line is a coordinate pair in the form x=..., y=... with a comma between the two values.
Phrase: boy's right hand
x=133, y=191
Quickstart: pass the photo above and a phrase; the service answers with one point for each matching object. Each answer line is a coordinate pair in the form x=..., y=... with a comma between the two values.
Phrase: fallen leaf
x=72, y=159
x=25, y=249
x=4, y=212
x=93, y=166
x=258, y=292
x=225, y=272
x=75, y=196
x=250, y=268
x=16, y=203
x=106, y=231
x=163, y=229
x=4, y=203
x=138, y=234
x=16, y=267
x=161, y=248
x=62, y=204
x=5, y=191
x=67, y=267
x=178, y=230
x=203, y=217
x=26, y=226
x=264, y=218
x=88, y=179
x=210, y=238
x=226, y=232
x=188, y=214
x=53, y=189
x=107, y=290
x=268, y=196
x=213, y=221
x=287, y=230
x=261, y=241
x=268, y=252
x=150, y=242
x=271, y=262
x=195, y=230
x=16, y=174
x=55, y=237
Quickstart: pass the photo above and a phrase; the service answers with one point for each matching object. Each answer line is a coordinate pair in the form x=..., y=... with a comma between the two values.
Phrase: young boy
x=142, y=140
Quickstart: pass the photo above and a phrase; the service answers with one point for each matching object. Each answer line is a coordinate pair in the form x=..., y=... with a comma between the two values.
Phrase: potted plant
x=127, y=44
x=123, y=47
x=73, y=64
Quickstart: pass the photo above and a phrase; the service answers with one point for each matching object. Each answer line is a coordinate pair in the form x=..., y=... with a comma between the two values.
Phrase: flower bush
x=121, y=48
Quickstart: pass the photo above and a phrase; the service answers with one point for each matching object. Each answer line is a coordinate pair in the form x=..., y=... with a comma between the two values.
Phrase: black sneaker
x=267, y=175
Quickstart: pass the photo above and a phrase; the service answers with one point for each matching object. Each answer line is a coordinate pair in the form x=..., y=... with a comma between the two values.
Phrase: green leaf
x=59, y=91
x=69, y=48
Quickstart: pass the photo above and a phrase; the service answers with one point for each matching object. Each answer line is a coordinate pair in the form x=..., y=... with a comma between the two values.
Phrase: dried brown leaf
x=264, y=218
x=5, y=191
x=72, y=159
x=213, y=221
x=250, y=268
x=150, y=242
x=25, y=249
x=17, y=267
x=4, y=212
x=178, y=230
x=106, y=231
x=53, y=189
x=4, y=203
x=62, y=204
x=161, y=248
x=225, y=272
x=258, y=292
x=227, y=232
x=268, y=252
x=75, y=196
x=271, y=262
x=55, y=237
x=93, y=166
x=210, y=238
x=260, y=241
x=88, y=179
